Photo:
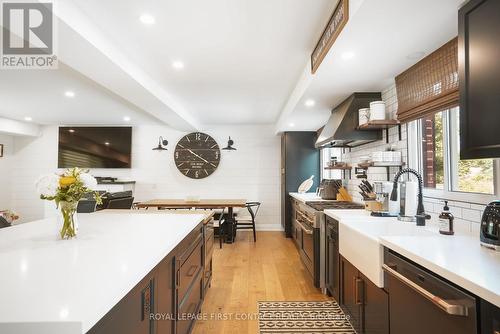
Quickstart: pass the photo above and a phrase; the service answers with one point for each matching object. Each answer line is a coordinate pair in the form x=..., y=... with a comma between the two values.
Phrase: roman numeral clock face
x=197, y=155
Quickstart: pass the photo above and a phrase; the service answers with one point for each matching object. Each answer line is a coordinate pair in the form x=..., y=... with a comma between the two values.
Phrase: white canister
x=378, y=156
x=377, y=111
x=387, y=156
x=396, y=156
x=364, y=115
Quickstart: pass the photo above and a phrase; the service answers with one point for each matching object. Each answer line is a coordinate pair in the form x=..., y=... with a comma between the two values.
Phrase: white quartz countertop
x=306, y=197
x=44, y=279
x=458, y=258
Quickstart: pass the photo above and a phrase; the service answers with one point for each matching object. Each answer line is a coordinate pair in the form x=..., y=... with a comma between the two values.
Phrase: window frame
x=450, y=143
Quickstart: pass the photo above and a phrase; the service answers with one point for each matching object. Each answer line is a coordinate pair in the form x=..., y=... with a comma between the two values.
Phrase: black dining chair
x=121, y=203
x=86, y=206
x=248, y=222
x=4, y=222
x=221, y=234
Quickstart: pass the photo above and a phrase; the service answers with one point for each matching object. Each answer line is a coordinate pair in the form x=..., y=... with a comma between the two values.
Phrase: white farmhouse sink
x=359, y=242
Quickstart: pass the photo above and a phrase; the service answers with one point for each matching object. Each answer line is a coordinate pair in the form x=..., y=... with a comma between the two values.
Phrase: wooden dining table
x=230, y=204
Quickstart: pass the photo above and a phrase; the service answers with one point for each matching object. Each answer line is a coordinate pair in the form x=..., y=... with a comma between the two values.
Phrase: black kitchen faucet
x=421, y=215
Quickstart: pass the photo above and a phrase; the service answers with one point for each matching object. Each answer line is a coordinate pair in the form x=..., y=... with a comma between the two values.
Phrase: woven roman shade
x=429, y=86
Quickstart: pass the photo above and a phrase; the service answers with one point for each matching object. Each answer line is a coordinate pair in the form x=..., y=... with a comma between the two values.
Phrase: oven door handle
x=305, y=217
x=307, y=231
x=452, y=309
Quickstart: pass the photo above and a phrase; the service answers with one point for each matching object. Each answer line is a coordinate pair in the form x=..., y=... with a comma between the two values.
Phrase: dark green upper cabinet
x=479, y=73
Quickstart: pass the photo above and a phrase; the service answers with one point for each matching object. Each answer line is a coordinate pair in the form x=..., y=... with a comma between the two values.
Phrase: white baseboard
x=269, y=227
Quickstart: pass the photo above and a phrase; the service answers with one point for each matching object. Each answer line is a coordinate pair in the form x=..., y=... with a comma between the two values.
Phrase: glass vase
x=67, y=220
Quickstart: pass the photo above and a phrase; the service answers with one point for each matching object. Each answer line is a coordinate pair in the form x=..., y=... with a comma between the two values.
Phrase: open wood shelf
x=378, y=125
x=380, y=164
x=339, y=168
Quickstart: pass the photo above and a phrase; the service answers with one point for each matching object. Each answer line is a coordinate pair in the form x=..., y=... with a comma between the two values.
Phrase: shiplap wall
x=251, y=172
x=467, y=215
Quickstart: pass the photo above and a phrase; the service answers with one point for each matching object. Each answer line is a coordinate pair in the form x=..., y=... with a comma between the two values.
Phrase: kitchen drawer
x=209, y=248
x=189, y=309
x=209, y=243
x=190, y=265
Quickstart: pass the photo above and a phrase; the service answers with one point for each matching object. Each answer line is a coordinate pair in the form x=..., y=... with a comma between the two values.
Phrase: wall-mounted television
x=95, y=147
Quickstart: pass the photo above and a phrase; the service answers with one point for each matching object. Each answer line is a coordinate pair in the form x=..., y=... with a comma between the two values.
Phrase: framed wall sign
x=335, y=25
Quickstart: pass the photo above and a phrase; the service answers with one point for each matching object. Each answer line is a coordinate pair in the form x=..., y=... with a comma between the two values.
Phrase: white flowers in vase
x=66, y=190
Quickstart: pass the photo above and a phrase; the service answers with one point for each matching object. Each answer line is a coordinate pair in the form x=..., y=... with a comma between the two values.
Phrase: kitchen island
x=122, y=267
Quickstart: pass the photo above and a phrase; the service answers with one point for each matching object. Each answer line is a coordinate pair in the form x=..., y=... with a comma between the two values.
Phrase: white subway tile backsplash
x=467, y=215
x=475, y=228
x=478, y=207
x=472, y=215
x=461, y=226
x=455, y=211
x=460, y=204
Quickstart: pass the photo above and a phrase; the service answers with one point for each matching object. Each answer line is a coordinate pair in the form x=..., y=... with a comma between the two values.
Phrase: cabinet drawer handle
x=453, y=309
x=357, y=283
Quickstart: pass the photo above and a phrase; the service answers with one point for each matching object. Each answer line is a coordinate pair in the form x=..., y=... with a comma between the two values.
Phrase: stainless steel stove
x=313, y=220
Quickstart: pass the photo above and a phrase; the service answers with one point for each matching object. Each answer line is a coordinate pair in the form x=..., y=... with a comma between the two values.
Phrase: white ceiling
x=242, y=57
x=246, y=61
x=40, y=94
x=380, y=35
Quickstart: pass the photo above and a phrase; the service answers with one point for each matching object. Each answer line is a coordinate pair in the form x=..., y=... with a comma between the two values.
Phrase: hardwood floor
x=245, y=273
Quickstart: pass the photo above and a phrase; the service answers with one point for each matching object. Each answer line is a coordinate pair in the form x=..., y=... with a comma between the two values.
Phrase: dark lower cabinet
x=131, y=315
x=332, y=276
x=375, y=308
x=490, y=318
x=350, y=298
x=366, y=304
x=169, y=298
x=208, y=246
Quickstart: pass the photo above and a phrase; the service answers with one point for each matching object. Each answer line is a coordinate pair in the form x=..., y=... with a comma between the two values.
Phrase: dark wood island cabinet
x=169, y=298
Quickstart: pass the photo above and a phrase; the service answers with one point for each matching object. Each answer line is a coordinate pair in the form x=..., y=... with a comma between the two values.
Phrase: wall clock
x=197, y=155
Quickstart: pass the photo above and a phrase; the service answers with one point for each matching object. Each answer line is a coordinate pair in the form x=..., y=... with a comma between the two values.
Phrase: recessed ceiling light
x=107, y=143
x=126, y=119
x=348, y=55
x=147, y=19
x=178, y=65
x=28, y=119
x=71, y=130
x=291, y=125
x=309, y=103
x=69, y=93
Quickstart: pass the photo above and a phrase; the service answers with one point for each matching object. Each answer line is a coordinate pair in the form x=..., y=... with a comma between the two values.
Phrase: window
x=437, y=155
x=432, y=151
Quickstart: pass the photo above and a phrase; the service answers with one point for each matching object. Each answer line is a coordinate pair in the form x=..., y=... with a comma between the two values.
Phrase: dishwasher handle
x=452, y=309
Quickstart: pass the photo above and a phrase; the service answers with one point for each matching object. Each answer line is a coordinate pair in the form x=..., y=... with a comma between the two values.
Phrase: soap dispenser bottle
x=446, y=221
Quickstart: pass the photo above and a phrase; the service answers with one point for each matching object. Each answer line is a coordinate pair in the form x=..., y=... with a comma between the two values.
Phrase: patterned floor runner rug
x=303, y=318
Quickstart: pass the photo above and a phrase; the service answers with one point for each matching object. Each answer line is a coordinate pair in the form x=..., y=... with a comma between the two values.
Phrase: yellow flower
x=66, y=181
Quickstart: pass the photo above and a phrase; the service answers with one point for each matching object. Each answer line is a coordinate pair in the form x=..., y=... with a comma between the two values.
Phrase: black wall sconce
x=229, y=146
x=162, y=145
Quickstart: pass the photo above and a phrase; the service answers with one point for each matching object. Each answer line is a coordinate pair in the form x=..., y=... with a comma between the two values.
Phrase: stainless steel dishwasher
x=422, y=302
